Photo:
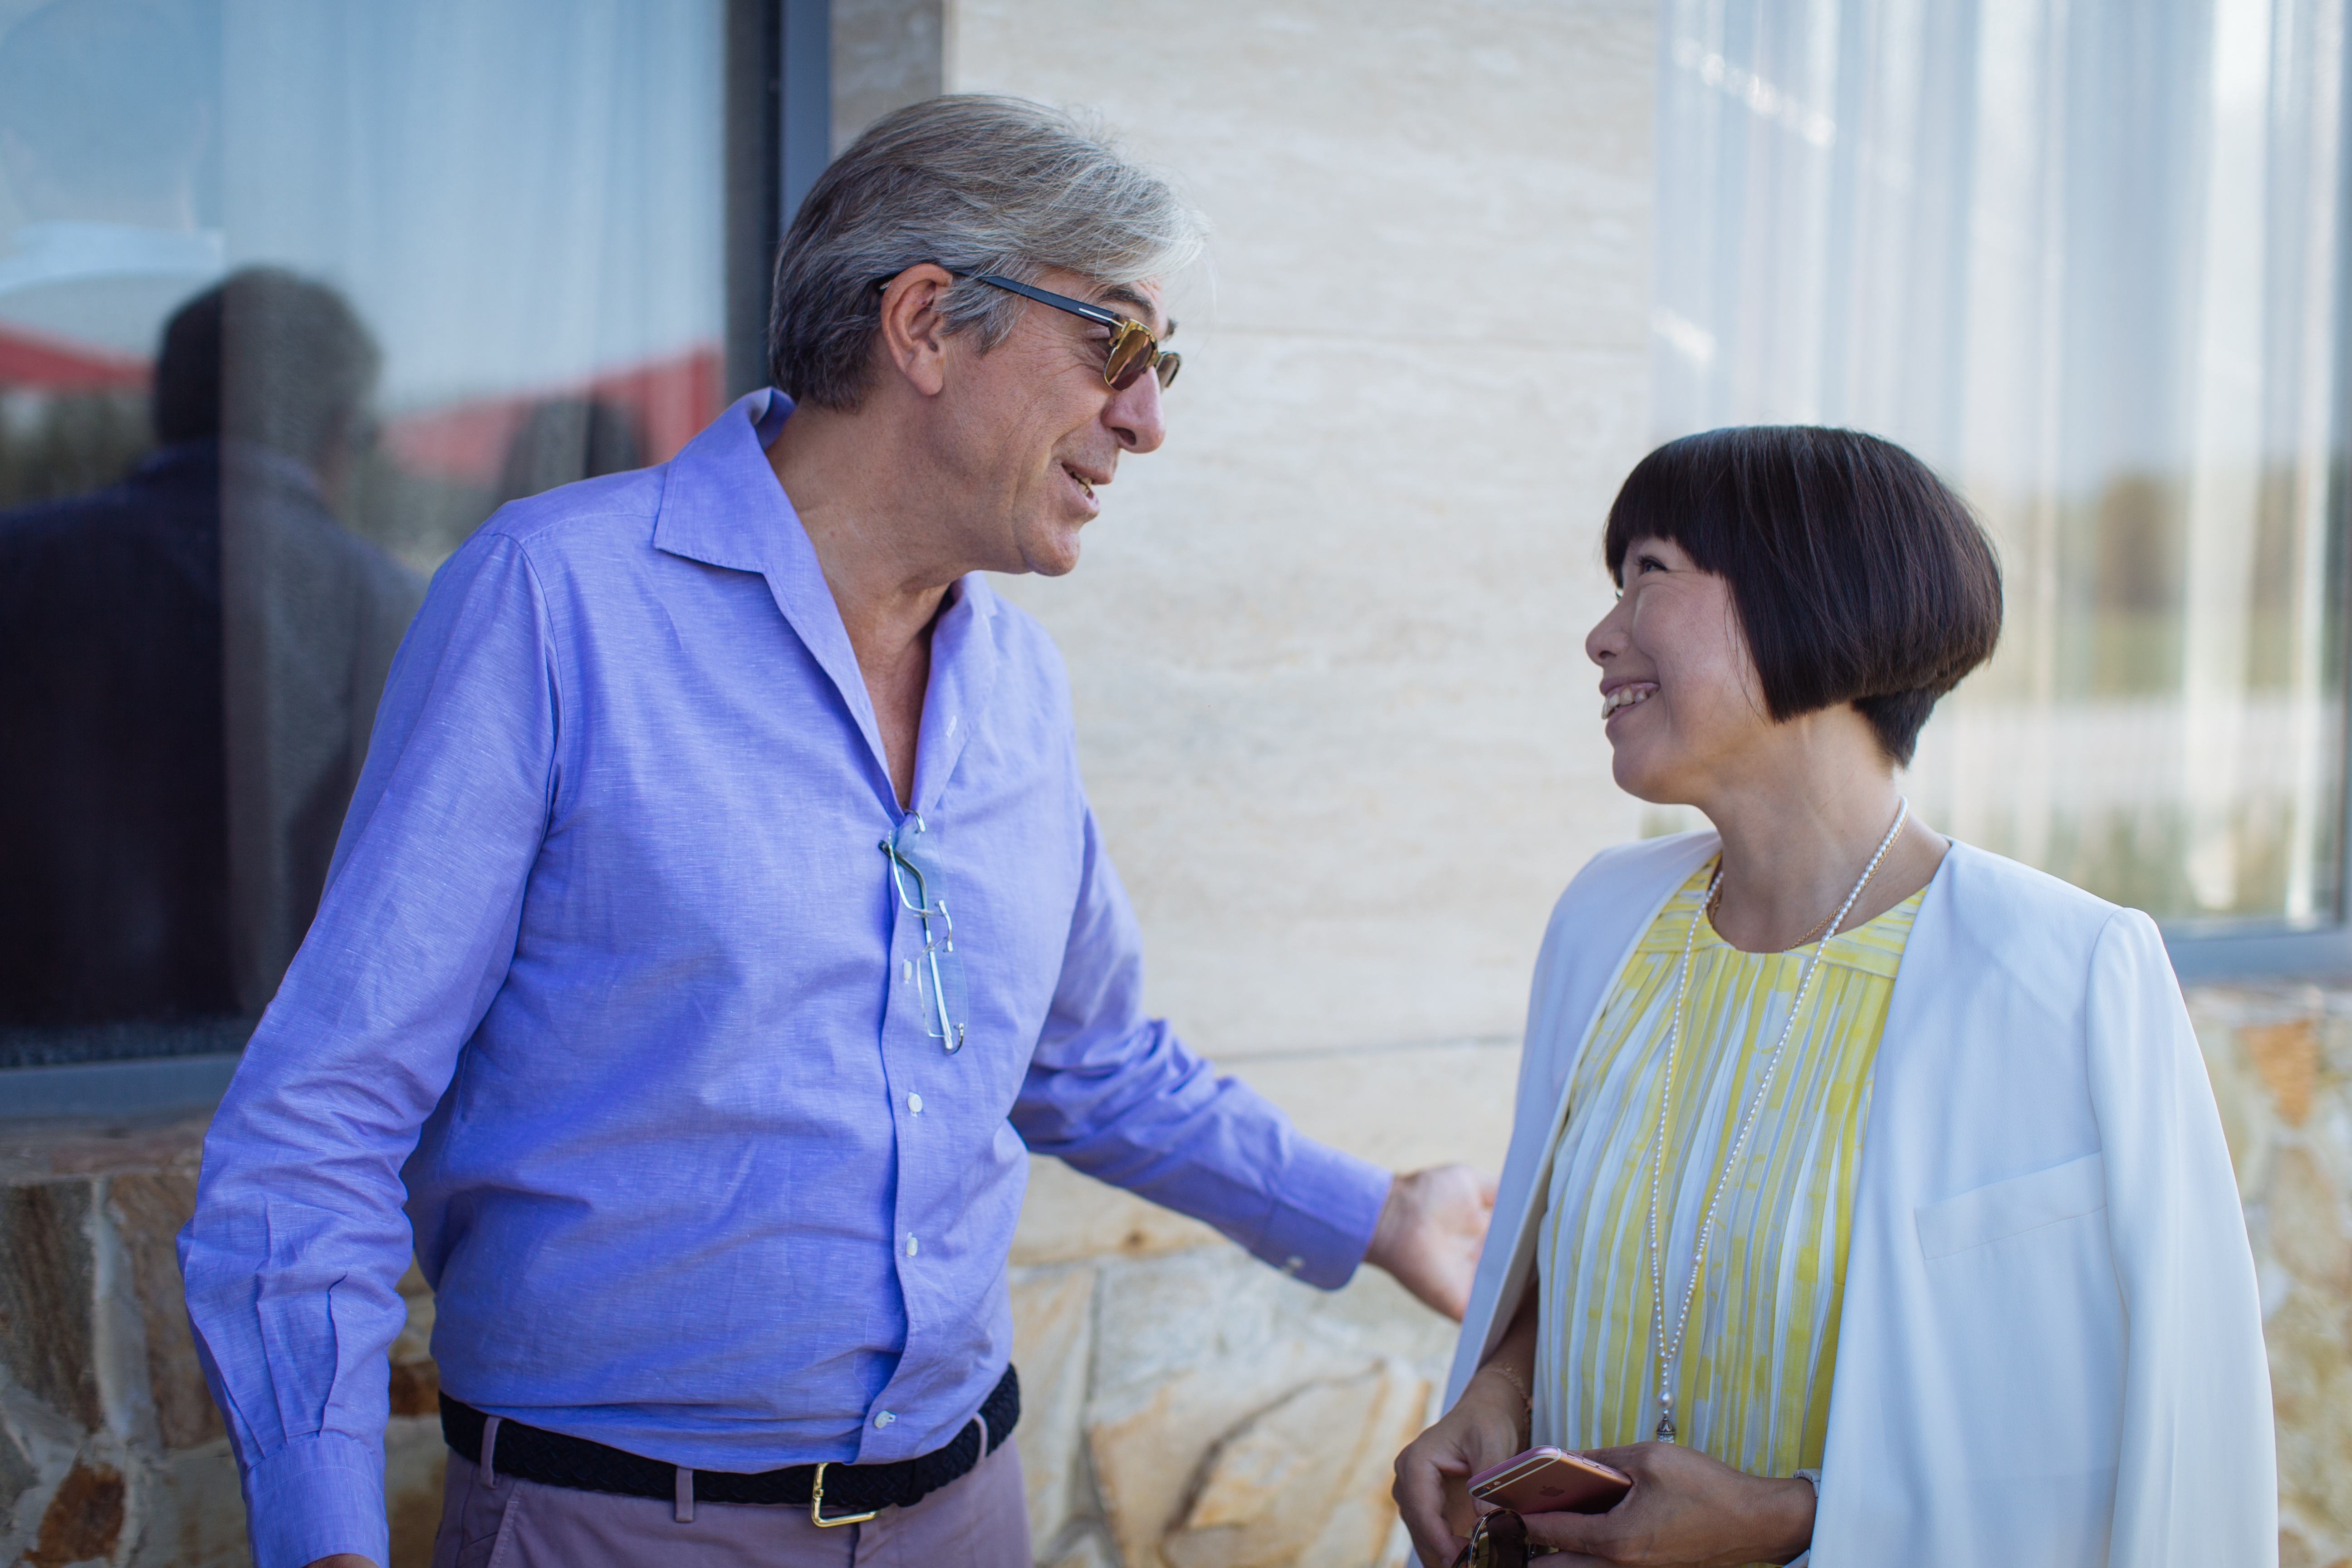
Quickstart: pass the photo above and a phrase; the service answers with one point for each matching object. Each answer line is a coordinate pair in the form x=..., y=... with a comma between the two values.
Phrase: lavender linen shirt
x=610, y=993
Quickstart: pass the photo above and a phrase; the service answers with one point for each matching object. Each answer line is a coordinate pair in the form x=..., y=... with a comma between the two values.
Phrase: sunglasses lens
x=1167, y=368
x=1130, y=352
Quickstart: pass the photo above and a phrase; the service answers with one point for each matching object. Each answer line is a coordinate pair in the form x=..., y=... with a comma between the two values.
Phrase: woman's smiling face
x=1681, y=701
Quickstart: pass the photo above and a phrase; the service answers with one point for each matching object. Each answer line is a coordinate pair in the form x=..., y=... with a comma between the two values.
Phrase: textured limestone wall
x=1325, y=646
x=1324, y=649
x=2281, y=1060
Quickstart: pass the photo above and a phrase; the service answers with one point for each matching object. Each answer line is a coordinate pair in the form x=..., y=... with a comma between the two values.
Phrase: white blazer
x=2050, y=1347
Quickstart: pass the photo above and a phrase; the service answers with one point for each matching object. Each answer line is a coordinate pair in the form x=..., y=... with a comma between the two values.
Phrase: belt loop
x=490, y=1451
x=685, y=1495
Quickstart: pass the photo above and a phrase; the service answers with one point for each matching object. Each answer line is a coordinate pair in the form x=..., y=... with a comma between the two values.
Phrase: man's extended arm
x=1119, y=1097
x=299, y=1235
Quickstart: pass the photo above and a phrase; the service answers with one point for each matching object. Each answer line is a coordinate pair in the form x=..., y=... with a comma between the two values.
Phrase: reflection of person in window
x=103, y=121
x=1867, y=1197
x=564, y=439
x=191, y=659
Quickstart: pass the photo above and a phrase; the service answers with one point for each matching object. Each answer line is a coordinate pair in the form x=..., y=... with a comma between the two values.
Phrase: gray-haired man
x=718, y=923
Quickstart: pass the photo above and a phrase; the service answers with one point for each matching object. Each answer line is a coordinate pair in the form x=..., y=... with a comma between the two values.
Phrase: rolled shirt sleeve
x=299, y=1236
x=1117, y=1094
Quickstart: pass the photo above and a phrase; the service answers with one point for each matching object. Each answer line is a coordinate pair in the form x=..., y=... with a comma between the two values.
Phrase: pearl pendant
x=1666, y=1432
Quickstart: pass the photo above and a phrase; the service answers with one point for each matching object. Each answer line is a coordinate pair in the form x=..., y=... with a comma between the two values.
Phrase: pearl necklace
x=1669, y=1351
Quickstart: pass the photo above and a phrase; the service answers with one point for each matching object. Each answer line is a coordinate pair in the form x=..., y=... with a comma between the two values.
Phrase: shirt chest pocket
x=2012, y=1207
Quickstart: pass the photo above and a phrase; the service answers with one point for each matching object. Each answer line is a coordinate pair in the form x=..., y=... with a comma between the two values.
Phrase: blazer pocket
x=2007, y=1209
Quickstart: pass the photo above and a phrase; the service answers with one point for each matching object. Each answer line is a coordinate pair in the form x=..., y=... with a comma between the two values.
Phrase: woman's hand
x=1487, y=1426
x=1686, y=1509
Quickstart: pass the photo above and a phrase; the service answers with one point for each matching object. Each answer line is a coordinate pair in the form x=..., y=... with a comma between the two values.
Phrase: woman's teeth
x=1625, y=697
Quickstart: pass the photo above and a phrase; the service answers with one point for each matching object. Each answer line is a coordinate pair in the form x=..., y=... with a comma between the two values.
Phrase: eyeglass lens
x=1131, y=354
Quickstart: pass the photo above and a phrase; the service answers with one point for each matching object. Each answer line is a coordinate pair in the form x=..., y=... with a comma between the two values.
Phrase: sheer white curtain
x=2086, y=257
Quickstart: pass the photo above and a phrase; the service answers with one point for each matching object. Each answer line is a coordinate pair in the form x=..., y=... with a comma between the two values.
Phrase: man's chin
x=1052, y=552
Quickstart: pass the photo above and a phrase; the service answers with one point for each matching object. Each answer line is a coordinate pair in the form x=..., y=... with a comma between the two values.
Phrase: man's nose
x=1135, y=415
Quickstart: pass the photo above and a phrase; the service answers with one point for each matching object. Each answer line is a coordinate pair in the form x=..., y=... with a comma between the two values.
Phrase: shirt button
x=910, y=1244
x=1294, y=1264
x=909, y=967
x=883, y=1418
x=915, y=1104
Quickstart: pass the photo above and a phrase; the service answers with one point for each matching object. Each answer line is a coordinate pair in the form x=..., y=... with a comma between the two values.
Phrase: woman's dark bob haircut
x=1859, y=576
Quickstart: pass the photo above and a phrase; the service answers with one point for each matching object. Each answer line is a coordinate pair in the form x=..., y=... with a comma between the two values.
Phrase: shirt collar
x=721, y=505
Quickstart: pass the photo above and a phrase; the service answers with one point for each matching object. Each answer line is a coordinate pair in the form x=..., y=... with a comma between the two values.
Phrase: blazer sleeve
x=2197, y=1478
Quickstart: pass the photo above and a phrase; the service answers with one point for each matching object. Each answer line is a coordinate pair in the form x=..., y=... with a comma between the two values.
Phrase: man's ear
x=913, y=339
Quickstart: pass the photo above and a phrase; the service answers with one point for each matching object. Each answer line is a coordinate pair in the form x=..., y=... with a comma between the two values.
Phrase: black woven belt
x=553, y=1459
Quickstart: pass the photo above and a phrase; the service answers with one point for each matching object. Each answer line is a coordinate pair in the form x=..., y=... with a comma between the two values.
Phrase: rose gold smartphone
x=1549, y=1480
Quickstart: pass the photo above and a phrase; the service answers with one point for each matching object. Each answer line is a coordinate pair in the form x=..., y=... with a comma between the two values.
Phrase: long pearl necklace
x=1669, y=1351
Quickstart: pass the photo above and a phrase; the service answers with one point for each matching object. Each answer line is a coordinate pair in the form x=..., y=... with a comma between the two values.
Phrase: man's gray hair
x=976, y=184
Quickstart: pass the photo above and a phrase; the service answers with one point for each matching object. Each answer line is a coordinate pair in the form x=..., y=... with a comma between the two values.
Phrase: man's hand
x=1686, y=1509
x=1430, y=1232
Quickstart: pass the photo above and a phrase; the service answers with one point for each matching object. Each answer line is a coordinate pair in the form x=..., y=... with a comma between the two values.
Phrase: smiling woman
x=1844, y=1152
x=1858, y=575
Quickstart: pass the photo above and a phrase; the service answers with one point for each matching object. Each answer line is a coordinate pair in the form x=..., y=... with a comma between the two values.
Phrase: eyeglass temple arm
x=1092, y=313
x=1047, y=296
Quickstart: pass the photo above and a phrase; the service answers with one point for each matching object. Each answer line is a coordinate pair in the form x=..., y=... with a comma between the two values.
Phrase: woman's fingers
x=1685, y=1508
x=1420, y=1494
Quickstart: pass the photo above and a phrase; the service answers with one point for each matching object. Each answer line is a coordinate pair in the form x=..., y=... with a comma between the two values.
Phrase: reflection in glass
x=291, y=296
x=2084, y=260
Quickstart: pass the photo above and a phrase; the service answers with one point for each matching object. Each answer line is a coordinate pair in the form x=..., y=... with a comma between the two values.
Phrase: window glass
x=293, y=294
x=2084, y=260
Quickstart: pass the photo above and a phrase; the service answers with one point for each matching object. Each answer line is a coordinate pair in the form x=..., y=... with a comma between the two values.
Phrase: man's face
x=1034, y=431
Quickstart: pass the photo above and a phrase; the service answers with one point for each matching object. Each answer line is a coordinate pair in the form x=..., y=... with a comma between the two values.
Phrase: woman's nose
x=1607, y=636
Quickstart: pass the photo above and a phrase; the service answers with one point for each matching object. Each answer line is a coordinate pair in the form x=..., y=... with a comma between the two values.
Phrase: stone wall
x=1185, y=1407
x=111, y=1448
x=2281, y=1061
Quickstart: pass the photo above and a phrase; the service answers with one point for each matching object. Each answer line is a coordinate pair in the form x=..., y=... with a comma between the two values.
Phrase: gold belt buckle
x=816, y=1505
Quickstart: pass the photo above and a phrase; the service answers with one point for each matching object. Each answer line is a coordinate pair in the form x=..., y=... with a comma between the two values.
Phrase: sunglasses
x=1133, y=349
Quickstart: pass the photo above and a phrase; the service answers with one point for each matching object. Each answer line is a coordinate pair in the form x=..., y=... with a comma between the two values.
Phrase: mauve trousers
x=979, y=1520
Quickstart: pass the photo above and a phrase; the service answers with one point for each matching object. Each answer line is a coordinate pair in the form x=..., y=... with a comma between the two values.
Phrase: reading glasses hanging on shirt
x=939, y=974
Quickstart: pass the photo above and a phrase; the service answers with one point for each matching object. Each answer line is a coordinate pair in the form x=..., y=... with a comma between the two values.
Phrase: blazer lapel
x=1598, y=923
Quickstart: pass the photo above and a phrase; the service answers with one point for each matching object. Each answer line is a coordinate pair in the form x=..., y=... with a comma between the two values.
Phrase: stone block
x=148, y=1208
x=194, y=1517
x=1400, y=1105
x=415, y=1385
x=1052, y=1343
x=18, y=1475
x=415, y=1460
x=84, y=1519
x=1191, y=1347
x=1067, y=1217
x=47, y=1294
x=1305, y=1481
x=1083, y=1549
x=2286, y=1056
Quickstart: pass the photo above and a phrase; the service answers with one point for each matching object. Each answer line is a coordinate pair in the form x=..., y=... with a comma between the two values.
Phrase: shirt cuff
x=315, y=1497
x=1324, y=1214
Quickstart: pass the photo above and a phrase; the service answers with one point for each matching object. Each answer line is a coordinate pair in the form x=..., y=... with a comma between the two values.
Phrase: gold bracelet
x=1514, y=1379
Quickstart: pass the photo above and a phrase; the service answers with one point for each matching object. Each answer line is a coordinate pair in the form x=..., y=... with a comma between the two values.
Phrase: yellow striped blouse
x=1753, y=1385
